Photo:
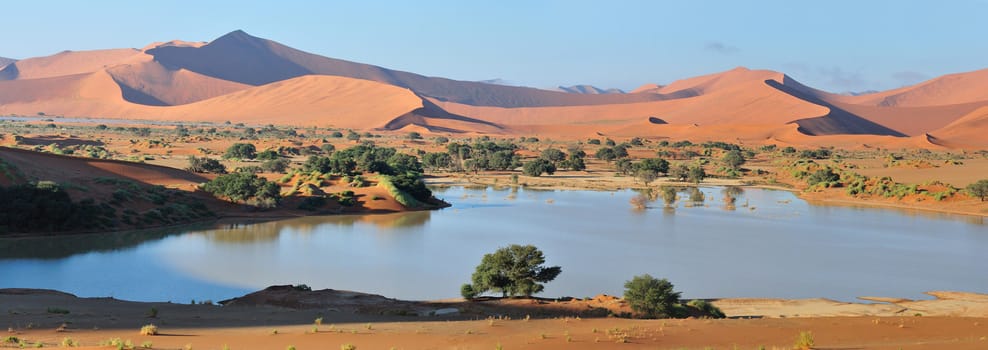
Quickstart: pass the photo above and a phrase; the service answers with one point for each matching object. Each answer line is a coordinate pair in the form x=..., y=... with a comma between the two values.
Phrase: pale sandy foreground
x=954, y=321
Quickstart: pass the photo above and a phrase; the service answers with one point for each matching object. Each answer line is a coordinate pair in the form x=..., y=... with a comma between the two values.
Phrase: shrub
x=240, y=187
x=205, y=165
x=553, y=155
x=312, y=203
x=707, y=308
x=269, y=154
x=651, y=296
x=149, y=330
x=824, y=176
x=538, y=166
x=733, y=159
x=241, y=151
x=804, y=341
x=467, y=291
x=275, y=165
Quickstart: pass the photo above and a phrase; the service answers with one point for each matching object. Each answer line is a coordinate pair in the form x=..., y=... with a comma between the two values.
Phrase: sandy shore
x=952, y=320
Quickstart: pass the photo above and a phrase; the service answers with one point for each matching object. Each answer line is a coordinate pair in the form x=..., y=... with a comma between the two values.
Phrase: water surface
x=776, y=246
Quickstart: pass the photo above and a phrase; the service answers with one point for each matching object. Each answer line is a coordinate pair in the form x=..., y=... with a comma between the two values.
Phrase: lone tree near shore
x=513, y=270
x=978, y=189
x=652, y=297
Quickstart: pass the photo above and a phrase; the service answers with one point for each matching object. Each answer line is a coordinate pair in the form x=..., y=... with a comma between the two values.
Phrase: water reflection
x=270, y=231
x=595, y=236
x=65, y=246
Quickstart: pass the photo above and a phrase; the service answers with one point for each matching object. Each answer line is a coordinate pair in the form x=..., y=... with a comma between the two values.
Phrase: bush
x=241, y=151
x=650, y=296
x=269, y=154
x=733, y=159
x=824, y=176
x=46, y=207
x=205, y=165
x=275, y=165
x=538, y=166
x=312, y=203
x=467, y=291
x=804, y=341
x=149, y=330
x=706, y=308
x=241, y=187
x=553, y=155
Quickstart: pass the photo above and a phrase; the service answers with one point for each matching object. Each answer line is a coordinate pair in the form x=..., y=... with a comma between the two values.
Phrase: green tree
x=513, y=270
x=438, y=160
x=242, y=187
x=651, y=296
x=978, y=189
x=241, y=151
x=205, y=165
x=733, y=159
x=624, y=166
x=414, y=135
x=268, y=154
x=467, y=292
x=823, y=176
x=658, y=165
x=538, y=166
x=275, y=165
x=553, y=155
x=574, y=162
x=606, y=154
x=646, y=176
x=680, y=172
x=696, y=174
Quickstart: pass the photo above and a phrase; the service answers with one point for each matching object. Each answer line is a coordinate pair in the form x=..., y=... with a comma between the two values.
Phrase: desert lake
x=771, y=245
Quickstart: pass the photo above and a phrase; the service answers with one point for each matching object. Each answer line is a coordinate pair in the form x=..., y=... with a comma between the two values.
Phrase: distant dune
x=68, y=63
x=5, y=61
x=239, y=77
x=588, y=89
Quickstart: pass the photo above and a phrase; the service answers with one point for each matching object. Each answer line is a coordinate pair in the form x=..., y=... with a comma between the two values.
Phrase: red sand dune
x=647, y=88
x=949, y=89
x=69, y=63
x=243, y=78
x=150, y=83
x=968, y=131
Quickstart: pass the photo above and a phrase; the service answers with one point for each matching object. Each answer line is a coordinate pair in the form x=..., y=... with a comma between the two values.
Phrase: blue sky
x=834, y=45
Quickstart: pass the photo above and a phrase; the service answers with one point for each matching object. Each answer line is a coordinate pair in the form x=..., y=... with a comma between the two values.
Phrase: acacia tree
x=651, y=296
x=241, y=151
x=513, y=270
x=733, y=159
x=978, y=189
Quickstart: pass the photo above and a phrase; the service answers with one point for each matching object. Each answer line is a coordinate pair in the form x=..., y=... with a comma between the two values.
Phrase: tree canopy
x=513, y=270
x=651, y=296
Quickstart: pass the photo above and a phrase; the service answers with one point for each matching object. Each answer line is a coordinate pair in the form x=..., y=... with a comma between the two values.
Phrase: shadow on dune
x=429, y=110
x=838, y=121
